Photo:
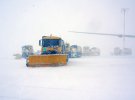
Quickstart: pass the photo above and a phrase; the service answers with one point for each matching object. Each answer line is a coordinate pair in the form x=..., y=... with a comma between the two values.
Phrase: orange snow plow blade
x=44, y=60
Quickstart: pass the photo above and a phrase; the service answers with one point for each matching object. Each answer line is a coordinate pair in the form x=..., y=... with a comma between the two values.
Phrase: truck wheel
x=27, y=65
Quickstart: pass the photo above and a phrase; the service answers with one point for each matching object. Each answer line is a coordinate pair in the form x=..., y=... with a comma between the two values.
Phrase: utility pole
x=124, y=25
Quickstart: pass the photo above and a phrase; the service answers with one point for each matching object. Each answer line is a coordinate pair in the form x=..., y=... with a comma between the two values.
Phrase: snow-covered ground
x=87, y=78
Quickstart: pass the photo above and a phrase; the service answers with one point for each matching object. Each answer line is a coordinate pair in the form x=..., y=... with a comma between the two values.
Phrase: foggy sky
x=26, y=21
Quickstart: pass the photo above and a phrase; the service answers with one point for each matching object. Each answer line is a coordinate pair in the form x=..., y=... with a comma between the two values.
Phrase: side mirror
x=40, y=42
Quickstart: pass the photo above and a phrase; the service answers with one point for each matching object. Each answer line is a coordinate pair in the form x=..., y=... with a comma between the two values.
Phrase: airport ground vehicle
x=127, y=51
x=94, y=51
x=86, y=51
x=52, y=52
x=75, y=51
x=67, y=49
x=17, y=56
x=27, y=50
x=118, y=51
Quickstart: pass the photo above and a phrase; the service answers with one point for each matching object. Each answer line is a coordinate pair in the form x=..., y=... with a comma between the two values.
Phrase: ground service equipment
x=86, y=51
x=67, y=49
x=125, y=51
x=27, y=50
x=75, y=51
x=94, y=51
x=52, y=52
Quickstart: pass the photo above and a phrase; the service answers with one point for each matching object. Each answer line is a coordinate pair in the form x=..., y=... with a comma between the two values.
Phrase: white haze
x=88, y=78
x=26, y=21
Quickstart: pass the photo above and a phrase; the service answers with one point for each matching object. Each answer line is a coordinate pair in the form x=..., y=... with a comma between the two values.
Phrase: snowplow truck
x=52, y=53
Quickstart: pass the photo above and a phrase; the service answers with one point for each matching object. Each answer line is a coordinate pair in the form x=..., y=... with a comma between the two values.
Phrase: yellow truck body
x=52, y=53
x=44, y=60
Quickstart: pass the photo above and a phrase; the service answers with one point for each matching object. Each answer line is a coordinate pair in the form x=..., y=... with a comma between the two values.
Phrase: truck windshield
x=50, y=42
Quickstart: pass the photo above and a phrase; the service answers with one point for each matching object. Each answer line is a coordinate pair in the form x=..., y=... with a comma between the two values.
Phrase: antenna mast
x=124, y=25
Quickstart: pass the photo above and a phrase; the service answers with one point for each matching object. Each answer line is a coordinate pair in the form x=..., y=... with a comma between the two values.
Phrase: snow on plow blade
x=44, y=60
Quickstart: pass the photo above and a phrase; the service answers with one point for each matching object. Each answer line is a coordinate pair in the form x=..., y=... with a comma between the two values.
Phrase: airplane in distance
x=117, y=50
